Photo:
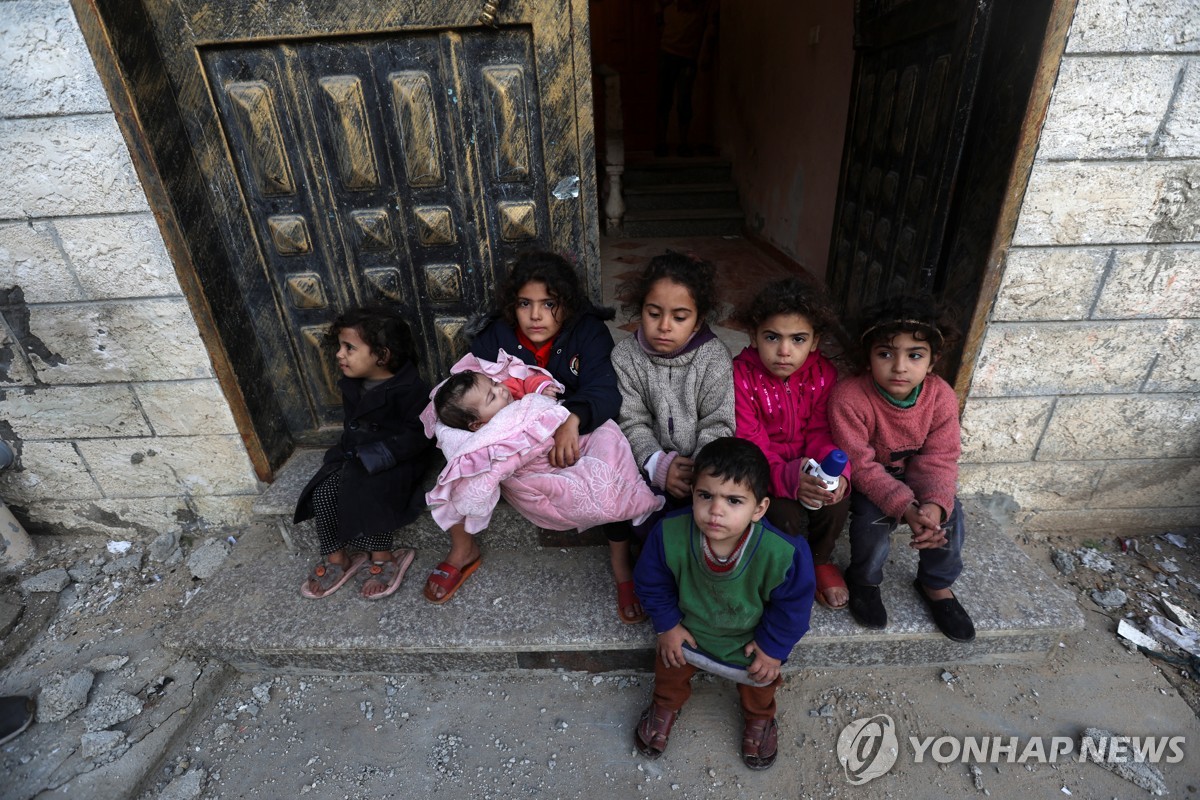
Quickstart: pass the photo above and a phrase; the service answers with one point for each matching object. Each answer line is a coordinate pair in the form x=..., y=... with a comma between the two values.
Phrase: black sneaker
x=949, y=615
x=867, y=606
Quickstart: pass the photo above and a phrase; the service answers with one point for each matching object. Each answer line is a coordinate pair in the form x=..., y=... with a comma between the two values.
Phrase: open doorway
x=871, y=145
x=769, y=107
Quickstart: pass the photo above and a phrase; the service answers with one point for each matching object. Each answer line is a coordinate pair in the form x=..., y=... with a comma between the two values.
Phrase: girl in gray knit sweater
x=676, y=381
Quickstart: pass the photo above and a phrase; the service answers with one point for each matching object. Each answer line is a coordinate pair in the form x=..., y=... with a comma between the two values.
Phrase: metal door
x=916, y=69
x=361, y=154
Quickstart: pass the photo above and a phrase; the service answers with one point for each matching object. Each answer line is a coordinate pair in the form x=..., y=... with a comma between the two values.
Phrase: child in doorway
x=544, y=319
x=676, y=393
x=370, y=483
x=898, y=422
x=498, y=444
x=782, y=385
x=720, y=579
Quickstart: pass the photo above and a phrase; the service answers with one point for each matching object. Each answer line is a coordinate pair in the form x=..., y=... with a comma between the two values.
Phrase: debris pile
x=1151, y=586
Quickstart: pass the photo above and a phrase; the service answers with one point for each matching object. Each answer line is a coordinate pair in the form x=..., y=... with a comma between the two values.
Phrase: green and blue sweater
x=767, y=597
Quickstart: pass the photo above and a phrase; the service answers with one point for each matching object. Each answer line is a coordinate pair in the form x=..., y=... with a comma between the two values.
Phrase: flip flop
x=448, y=577
x=331, y=576
x=389, y=573
x=829, y=577
x=626, y=597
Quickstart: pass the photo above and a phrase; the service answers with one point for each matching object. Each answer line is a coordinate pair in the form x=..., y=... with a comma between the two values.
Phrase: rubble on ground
x=1139, y=773
x=1150, y=586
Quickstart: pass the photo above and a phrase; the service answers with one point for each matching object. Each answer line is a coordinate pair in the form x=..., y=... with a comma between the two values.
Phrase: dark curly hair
x=447, y=401
x=698, y=276
x=562, y=284
x=918, y=313
x=789, y=296
x=382, y=329
x=738, y=460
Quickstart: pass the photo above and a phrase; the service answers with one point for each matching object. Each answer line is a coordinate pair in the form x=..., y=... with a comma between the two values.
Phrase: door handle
x=488, y=15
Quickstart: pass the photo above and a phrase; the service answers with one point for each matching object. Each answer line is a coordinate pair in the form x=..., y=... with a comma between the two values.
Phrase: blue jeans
x=870, y=541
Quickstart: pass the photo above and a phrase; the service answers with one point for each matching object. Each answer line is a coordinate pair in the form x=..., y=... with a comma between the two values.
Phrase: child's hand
x=566, y=443
x=763, y=668
x=843, y=488
x=670, y=645
x=550, y=390
x=679, y=477
x=812, y=491
x=926, y=523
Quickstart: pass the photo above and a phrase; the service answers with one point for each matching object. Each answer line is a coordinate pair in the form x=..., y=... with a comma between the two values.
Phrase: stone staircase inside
x=680, y=197
x=545, y=600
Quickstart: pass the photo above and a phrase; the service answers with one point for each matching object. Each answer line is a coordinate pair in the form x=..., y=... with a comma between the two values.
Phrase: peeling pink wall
x=781, y=116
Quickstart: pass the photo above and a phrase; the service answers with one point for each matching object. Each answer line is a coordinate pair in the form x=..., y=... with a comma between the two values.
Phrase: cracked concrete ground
x=203, y=732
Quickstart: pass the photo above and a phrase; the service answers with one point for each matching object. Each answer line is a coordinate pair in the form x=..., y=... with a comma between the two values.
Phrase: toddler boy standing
x=720, y=579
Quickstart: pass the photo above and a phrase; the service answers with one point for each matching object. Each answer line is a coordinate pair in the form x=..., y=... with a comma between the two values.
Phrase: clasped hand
x=926, y=523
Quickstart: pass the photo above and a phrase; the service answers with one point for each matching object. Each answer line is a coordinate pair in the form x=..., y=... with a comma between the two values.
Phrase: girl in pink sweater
x=898, y=422
x=781, y=386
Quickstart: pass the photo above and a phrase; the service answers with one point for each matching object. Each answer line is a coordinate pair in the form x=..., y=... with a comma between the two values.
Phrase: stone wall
x=1084, y=406
x=106, y=390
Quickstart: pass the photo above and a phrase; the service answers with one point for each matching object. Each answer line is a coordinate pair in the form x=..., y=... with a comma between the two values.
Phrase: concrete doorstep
x=536, y=607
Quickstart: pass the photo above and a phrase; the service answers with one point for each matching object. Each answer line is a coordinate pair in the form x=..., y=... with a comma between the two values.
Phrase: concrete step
x=676, y=170
x=684, y=222
x=548, y=607
x=681, y=195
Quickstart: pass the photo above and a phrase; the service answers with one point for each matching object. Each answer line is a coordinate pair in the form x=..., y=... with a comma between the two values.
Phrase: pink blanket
x=509, y=456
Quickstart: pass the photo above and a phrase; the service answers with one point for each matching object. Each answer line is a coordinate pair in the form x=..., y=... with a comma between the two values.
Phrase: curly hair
x=382, y=329
x=916, y=313
x=695, y=274
x=447, y=402
x=562, y=284
x=789, y=296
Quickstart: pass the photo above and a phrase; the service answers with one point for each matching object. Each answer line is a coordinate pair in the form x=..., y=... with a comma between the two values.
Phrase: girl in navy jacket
x=544, y=319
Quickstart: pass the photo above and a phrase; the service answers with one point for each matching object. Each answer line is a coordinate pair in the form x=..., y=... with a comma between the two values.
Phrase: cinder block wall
x=1084, y=407
x=106, y=390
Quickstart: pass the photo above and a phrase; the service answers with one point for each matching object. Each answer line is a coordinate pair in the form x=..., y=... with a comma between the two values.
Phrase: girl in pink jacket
x=781, y=387
x=899, y=424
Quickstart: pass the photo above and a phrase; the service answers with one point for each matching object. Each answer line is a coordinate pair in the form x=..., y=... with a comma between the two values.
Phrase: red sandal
x=829, y=577
x=626, y=597
x=449, y=577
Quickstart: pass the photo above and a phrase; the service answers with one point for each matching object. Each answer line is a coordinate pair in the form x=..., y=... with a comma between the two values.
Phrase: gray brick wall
x=1084, y=406
x=105, y=386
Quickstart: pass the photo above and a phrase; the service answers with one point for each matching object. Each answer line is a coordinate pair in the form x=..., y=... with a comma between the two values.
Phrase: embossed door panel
x=916, y=68
x=357, y=152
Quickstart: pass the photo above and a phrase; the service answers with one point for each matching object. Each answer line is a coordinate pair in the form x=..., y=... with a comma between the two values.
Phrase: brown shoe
x=653, y=730
x=760, y=743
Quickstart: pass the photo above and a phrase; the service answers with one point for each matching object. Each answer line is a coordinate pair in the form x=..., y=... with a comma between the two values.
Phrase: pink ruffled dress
x=509, y=457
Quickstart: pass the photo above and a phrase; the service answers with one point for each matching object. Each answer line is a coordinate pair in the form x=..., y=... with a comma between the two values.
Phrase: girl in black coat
x=370, y=483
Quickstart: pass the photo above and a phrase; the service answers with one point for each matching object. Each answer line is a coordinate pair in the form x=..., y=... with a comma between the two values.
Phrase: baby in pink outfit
x=469, y=400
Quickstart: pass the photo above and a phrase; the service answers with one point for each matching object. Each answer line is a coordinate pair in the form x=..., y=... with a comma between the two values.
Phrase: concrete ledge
x=545, y=608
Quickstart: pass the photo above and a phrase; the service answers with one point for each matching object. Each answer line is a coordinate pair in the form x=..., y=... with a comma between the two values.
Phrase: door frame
x=119, y=35
x=1049, y=59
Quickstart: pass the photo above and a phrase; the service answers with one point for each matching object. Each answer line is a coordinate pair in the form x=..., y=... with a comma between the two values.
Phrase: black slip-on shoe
x=949, y=615
x=866, y=605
